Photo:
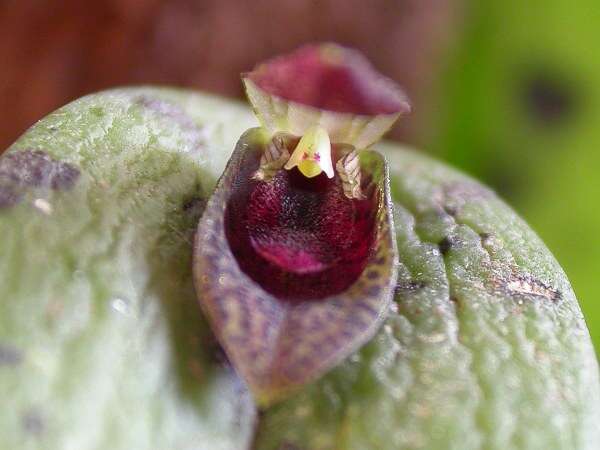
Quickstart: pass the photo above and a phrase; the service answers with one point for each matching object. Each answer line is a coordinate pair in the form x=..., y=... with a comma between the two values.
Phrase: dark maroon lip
x=299, y=238
x=330, y=77
x=292, y=274
x=294, y=266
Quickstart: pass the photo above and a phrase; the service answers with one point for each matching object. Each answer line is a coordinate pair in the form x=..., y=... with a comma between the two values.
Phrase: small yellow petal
x=312, y=155
x=309, y=168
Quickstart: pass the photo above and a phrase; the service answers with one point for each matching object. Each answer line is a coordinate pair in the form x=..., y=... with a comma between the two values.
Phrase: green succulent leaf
x=103, y=346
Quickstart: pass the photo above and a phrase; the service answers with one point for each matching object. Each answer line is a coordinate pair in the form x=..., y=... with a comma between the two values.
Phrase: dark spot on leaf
x=548, y=98
x=466, y=190
x=33, y=422
x=450, y=210
x=454, y=195
x=32, y=168
x=485, y=236
x=10, y=355
x=65, y=176
x=445, y=245
x=409, y=286
x=487, y=239
x=525, y=286
x=440, y=213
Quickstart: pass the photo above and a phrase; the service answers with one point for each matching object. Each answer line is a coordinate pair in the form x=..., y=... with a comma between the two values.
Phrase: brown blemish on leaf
x=457, y=301
x=403, y=287
x=65, y=176
x=33, y=168
x=489, y=242
x=445, y=245
x=10, y=355
x=33, y=422
x=451, y=210
x=526, y=286
x=486, y=239
x=466, y=190
x=451, y=197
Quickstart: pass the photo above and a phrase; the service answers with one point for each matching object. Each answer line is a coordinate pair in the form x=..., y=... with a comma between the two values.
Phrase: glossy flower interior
x=300, y=238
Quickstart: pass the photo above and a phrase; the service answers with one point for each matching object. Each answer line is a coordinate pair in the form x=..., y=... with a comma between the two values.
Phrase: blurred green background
x=507, y=90
x=521, y=110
